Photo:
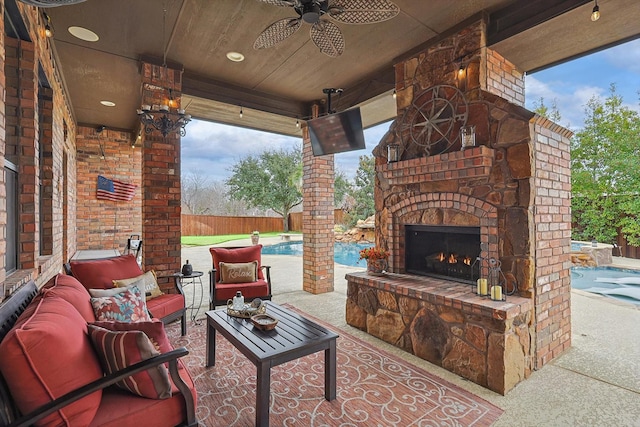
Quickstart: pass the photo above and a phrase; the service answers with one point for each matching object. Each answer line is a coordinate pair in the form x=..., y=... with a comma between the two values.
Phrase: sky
x=211, y=149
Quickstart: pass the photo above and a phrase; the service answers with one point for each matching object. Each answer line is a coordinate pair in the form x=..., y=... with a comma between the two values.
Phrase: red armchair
x=236, y=263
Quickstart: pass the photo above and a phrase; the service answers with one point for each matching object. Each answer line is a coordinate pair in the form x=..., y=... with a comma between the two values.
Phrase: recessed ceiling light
x=84, y=34
x=235, y=56
x=108, y=103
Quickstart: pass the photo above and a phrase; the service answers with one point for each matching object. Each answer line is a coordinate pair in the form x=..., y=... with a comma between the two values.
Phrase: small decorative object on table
x=246, y=311
x=376, y=260
x=264, y=321
x=187, y=269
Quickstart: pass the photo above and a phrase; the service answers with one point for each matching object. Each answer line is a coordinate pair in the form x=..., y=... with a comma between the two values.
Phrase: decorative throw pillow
x=153, y=329
x=148, y=281
x=126, y=305
x=119, y=349
x=245, y=254
x=241, y=272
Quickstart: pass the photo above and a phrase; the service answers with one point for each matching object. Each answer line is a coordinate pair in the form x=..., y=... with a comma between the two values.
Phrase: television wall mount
x=330, y=91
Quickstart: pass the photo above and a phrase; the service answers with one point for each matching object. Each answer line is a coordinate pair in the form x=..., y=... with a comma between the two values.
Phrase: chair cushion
x=47, y=356
x=236, y=255
x=120, y=349
x=71, y=290
x=165, y=304
x=240, y=272
x=257, y=289
x=148, y=282
x=100, y=273
x=120, y=304
x=153, y=329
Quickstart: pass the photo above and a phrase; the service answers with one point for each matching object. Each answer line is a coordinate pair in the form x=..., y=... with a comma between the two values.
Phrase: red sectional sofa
x=52, y=373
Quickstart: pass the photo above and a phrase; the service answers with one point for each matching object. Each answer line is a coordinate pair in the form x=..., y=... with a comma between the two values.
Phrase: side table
x=195, y=278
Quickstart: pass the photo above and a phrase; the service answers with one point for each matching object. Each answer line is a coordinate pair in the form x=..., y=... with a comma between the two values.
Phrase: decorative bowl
x=264, y=321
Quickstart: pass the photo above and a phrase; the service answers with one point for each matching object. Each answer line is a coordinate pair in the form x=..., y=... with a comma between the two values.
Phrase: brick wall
x=504, y=79
x=106, y=224
x=317, y=219
x=552, y=217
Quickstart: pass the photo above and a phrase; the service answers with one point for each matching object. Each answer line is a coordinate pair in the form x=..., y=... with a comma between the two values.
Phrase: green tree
x=342, y=189
x=605, y=168
x=268, y=181
x=543, y=110
x=362, y=193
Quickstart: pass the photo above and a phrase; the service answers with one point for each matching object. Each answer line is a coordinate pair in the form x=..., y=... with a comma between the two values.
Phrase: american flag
x=112, y=189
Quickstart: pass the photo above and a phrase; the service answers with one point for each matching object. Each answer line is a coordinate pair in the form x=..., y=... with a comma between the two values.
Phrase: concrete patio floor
x=595, y=383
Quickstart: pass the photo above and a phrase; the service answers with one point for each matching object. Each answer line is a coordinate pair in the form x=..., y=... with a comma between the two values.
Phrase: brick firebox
x=514, y=185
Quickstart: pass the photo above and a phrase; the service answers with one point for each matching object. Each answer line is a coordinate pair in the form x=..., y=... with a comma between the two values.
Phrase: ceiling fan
x=324, y=33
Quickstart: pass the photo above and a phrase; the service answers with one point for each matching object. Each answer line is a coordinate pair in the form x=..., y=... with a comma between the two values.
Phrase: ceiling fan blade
x=328, y=37
x=362, y=11
x=50, y=3
x=283, y=3
x=276, y=32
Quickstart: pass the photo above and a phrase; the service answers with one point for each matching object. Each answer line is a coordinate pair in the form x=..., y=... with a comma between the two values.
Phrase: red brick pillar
x=3, y=206
x=317, y=218
x=161, y=179
x=22, y=143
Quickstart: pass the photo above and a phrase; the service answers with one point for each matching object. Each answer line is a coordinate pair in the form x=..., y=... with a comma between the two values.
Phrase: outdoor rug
x=374, y=388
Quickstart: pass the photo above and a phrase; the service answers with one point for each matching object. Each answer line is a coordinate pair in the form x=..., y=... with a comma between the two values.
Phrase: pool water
x=343, y=253
x=618, y=283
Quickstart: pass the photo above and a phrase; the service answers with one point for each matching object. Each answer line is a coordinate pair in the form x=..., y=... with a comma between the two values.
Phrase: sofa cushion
x=239, y=272
x=120, y=304
x=71, y=290
x=120, y=349
x=141, y=411
x=153, y=329
x=48, y=355
x=165, y=304
x=236, y=255
x=148, y=282
x=100, y=273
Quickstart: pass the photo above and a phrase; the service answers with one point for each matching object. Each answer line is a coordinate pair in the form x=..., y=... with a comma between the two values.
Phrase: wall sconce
x=48, y=30
x=468, y=136
x=393, y=153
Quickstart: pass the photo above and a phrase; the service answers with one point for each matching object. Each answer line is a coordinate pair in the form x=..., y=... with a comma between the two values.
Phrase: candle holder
x=468, y=136
x=393, y=153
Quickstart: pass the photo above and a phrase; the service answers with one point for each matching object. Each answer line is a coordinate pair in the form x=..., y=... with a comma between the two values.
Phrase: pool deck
x=595, y=383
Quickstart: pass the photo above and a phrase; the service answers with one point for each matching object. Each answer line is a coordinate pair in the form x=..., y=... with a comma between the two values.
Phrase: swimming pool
x=343, y=253
x=618, y=283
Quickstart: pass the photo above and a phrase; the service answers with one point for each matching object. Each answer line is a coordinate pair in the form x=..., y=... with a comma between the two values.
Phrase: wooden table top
x=294, y=334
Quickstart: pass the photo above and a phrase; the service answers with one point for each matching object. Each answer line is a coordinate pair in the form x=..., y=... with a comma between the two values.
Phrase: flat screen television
x=336, y=133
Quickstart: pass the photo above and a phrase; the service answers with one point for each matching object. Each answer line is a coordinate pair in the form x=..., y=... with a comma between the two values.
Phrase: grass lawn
x=214, y=240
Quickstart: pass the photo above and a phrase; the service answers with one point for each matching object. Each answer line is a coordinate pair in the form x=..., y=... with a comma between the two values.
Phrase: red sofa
x=52, y=374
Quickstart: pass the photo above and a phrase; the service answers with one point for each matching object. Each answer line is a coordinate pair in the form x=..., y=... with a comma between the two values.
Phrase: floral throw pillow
x=120, y=349
x=126, y=306
x=147, y=281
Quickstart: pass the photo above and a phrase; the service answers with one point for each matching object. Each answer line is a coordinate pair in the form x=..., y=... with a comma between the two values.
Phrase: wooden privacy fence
x=210, y=225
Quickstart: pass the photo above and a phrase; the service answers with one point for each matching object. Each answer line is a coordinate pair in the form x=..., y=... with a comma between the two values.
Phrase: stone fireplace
x=507, y=200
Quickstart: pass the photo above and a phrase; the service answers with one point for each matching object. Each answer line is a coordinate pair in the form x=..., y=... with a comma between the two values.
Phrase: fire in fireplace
x=448, y=252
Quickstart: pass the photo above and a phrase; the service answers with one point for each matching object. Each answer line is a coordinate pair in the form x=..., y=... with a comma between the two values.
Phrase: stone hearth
x=514, y=186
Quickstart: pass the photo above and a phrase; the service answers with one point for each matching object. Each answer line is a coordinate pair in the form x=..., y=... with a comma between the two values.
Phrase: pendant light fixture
x=595, y=14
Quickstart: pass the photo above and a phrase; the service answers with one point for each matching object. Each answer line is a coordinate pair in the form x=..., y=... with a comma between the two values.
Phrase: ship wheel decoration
x=434, y=119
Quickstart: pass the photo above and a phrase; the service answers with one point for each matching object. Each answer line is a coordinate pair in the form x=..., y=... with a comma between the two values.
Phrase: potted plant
x=255, y=237
x=376, y=259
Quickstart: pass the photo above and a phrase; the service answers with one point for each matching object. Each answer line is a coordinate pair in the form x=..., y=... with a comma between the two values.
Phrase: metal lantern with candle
x=468, y=136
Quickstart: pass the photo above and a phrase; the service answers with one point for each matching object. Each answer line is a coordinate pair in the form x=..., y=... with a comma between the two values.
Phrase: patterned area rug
x=374, y=388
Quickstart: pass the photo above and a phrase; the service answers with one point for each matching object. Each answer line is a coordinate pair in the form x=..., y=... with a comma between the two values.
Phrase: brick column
x=161, y=179
x=3, y=205
x=21, y=143
x=317, y=218
x=552, y=218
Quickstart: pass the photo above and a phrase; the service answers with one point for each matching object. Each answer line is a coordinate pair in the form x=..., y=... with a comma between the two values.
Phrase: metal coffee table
x=293, y=337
